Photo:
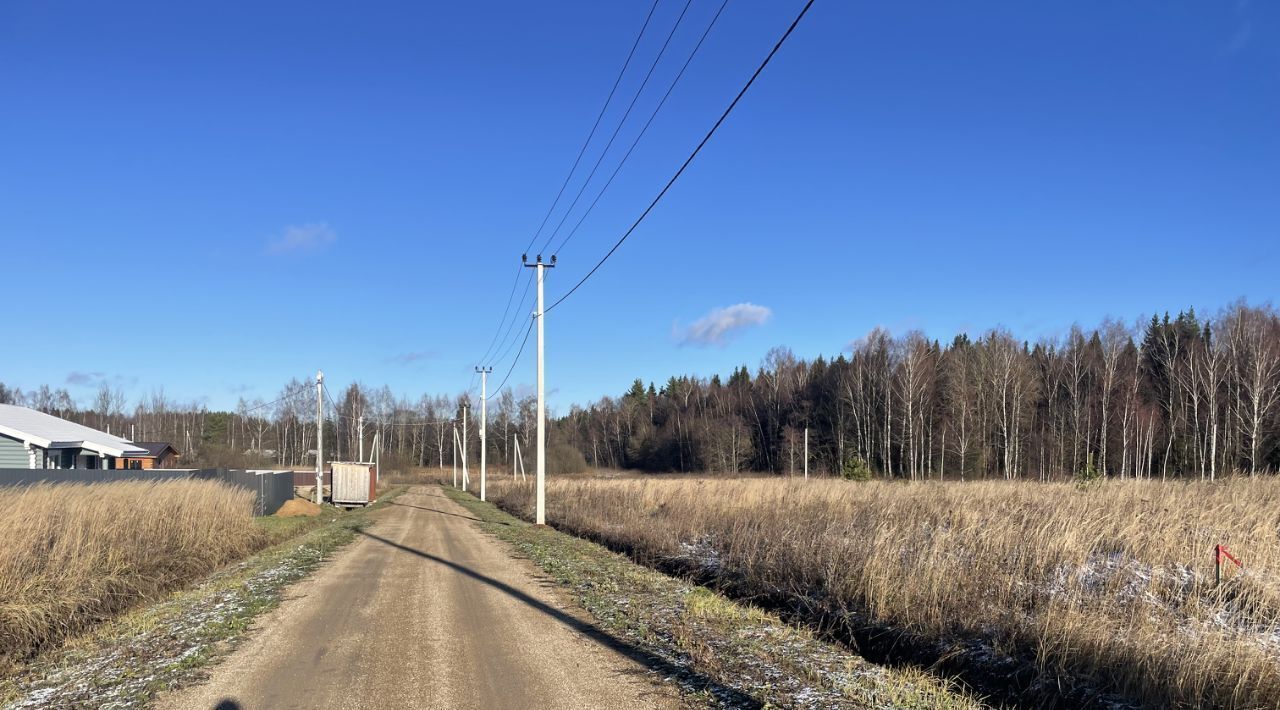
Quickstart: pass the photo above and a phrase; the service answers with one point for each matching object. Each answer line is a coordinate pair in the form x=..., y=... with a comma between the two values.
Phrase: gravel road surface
x=426, y=611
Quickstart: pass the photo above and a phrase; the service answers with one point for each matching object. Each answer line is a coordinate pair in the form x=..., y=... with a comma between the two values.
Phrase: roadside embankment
x=1036, y=594
x=722, y=652
x=126, y=658
x=74, y=555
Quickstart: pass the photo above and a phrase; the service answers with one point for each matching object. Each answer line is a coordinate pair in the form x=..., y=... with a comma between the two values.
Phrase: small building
x=160, y=454
x=31, y=439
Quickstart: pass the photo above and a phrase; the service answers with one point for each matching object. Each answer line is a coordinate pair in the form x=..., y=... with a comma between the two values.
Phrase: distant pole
x=455, y=455
x=319, y=438
x=360, y=433
x=484, y=422
x=541, y=517
x=806, y=452
x=376, y=450
x=466, y=479
x=462, y=445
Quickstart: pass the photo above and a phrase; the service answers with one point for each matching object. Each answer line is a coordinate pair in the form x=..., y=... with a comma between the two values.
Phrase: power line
x=581, y=151
x=626, y=114
x=510, y=327
x=692, y=155
x=527, y=305
x=596, y=125
x=301, y=388
x=643, y=129
x=524, y=342
x=515, y=282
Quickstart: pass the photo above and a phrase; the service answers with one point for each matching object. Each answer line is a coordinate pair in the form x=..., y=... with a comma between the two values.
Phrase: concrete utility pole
x=319, y=437
x=360, y=433
x=541, y=517
x=484, y=421
x=466, y=477
x=806, y=452
x=455, y=455
x=515, y=440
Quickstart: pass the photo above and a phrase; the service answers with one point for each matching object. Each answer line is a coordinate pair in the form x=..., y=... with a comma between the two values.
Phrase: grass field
x=1109, y=588
x=75, y=555
x=717, y=650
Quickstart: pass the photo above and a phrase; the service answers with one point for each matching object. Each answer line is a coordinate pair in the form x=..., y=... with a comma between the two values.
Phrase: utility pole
x=360, y=433
x=466, y=479
x=806, y=453
x=541, y=517
x=455, y=455
x=484, y=421
x=319, y=438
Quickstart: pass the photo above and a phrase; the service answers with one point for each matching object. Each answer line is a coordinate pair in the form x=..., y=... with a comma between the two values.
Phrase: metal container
x=354, y=483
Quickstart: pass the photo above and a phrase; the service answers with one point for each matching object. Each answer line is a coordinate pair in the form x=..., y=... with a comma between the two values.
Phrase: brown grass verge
x=74, y=555
x=1112, y=584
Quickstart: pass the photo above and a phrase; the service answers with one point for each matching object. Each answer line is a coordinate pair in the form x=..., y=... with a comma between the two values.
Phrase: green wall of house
x=13, y=453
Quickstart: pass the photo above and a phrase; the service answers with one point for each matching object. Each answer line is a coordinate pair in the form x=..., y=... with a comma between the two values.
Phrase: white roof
x=50, y=432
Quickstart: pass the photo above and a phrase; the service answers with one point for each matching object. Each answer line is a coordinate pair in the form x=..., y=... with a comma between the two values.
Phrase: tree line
x=1175, y=396
x=281, y=433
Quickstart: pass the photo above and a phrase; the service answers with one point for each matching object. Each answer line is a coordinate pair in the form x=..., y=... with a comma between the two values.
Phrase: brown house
x=159, y=454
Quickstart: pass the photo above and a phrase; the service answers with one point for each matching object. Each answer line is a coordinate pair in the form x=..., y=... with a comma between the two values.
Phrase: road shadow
x=685, y=675
x=434, y=510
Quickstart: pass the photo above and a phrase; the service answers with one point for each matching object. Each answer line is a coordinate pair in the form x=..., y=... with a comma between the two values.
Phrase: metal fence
x=271, y=488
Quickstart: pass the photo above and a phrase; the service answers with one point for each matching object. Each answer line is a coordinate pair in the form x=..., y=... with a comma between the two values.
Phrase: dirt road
x=426, y=611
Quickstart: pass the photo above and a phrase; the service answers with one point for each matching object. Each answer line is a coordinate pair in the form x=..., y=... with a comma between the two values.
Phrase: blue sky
x=215, y=197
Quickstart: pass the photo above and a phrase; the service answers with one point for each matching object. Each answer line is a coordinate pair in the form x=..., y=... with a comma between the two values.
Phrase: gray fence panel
x=271, y=489
x=29, y=476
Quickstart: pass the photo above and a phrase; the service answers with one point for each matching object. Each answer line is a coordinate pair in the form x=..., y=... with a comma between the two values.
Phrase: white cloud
x=721, y=324
x=81, y=378
x=302, y=237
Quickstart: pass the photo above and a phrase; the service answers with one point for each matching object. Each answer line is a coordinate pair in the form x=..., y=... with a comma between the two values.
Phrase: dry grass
x=74, y=555
x=1113, y=584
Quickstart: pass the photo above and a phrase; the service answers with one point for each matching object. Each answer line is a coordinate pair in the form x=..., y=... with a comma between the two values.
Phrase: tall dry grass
x=73, y=555
x=1113, y=584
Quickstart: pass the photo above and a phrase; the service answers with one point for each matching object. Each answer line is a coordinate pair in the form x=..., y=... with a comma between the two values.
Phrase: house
x=31, y=439
x=160, y=454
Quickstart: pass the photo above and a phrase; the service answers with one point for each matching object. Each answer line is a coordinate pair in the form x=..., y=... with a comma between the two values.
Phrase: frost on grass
x=702, y=555
x=724, y=653
x=177, y=636
x=1178, y=592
